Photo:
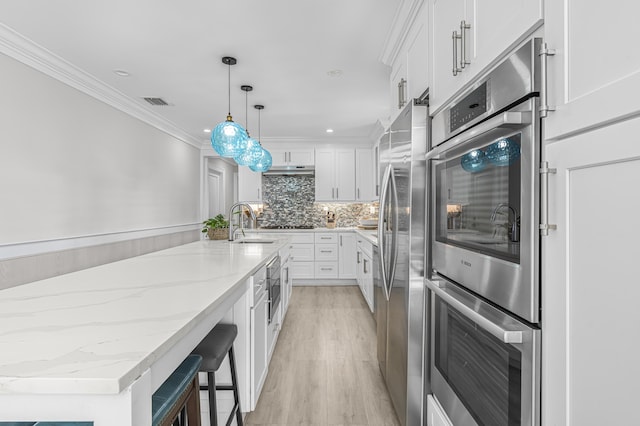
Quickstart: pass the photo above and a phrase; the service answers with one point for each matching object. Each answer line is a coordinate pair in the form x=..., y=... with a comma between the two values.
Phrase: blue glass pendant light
x=503, y=152
x=228, y=138
x=474, y=161
x=260, y=158
x=252, y=150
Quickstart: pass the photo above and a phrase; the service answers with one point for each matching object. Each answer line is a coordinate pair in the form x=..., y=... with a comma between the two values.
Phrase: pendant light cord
x=229, y=87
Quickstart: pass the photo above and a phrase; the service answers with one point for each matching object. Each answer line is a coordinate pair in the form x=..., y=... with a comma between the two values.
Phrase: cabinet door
x=279, y=156
x=301, y=157
x=345, y=162
x=445, y=17
x=589, y=283
x=364, y=175
x=418, y=56
x=325, y=175
x=398, y=84
x=594, y=74
x=249, y=185
x=347, y=255
x=499, y=25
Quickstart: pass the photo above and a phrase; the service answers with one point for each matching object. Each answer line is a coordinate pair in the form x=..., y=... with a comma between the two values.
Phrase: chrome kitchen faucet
x=232, y=230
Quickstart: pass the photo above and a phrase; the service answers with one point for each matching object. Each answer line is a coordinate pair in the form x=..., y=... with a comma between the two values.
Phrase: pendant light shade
x=260, y=158
x=229, y=139
x=263, y=162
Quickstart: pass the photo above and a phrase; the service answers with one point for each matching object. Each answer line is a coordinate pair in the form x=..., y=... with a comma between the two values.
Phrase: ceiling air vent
x=156, y=101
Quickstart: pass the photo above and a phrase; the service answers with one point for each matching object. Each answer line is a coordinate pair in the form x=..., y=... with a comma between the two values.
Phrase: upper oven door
x=485, y=209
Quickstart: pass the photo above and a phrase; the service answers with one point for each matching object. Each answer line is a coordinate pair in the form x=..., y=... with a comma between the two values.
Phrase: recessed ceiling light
x=334, y=73
x=207, y=130
x=121, y=73
x=329, y=130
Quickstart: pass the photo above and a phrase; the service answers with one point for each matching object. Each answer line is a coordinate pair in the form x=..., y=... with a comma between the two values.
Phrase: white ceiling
x=284, y=48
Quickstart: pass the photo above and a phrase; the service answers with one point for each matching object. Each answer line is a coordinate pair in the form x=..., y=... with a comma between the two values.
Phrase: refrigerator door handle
x=394, y=234
x=381, y=231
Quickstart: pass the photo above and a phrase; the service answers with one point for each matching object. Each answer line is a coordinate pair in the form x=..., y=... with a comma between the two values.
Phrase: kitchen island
x=94, y=345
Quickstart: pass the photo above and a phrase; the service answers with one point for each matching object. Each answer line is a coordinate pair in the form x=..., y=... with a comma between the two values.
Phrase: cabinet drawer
x=306, y=238
x=325, y=237
x=302, y=270
x=326, y=270
x=326, y=252
x=302, y=252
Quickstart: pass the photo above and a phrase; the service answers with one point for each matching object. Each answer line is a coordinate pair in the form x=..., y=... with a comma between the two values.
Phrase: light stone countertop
x=97, y=330
x=370, y=235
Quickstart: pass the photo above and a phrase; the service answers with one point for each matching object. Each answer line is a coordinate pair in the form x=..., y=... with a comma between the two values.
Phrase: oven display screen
x=484, y=372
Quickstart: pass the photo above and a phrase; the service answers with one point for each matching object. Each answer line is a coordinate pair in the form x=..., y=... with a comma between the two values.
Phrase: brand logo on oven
x=465, y=263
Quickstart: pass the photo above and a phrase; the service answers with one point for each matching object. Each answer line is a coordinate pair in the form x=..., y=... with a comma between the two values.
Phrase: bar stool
x=177, y=400
x=213, y=349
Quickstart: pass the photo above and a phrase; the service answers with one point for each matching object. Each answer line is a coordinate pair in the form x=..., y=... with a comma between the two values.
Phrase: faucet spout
x=232, y=230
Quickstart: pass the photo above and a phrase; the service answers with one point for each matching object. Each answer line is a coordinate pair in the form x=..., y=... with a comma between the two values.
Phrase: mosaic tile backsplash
x=289, y=200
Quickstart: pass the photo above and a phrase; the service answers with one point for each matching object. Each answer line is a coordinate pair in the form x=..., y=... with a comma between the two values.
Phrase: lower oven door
x=274, y=296
x=485, y=364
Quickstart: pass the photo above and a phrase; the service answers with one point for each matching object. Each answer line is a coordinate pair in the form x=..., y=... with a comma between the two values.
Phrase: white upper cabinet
x=365, y=178
x=470, y=36
x=249, y=185
x=595, y=72
x=407, y=52
x=291, y=156
x=335, y=175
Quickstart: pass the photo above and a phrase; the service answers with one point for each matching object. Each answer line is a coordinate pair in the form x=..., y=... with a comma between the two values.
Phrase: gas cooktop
x=287, y=227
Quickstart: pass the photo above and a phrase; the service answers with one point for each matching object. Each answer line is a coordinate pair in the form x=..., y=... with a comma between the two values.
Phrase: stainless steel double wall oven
x=485, y=217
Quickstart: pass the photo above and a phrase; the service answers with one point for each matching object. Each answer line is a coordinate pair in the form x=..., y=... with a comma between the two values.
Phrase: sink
x=253, y=241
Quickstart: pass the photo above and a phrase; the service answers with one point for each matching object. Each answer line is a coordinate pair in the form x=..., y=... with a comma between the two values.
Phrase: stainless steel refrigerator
x=399, y=265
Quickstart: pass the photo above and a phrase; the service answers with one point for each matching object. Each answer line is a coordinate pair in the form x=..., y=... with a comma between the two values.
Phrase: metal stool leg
x=213, y=408
x=234, y=383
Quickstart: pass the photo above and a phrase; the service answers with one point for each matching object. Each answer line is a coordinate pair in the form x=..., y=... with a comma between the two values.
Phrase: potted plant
x=216, y=228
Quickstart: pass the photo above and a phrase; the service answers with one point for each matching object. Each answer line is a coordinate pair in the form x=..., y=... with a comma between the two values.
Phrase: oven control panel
x=468, y=108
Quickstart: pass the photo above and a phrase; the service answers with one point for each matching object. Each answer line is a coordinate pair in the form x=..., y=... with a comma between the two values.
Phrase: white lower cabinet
x=364, y=264
x=435, y=414
x=259, y=347
x=347, y=255
x=302, y=255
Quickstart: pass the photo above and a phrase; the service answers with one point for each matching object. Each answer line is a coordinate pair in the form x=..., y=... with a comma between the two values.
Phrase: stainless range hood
x=290, y=171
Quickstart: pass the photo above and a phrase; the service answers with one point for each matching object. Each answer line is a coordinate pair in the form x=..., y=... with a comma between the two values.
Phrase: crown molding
x=37, y=57
x=402, y=21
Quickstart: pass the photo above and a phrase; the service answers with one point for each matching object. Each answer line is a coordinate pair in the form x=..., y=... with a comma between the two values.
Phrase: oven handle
x=507, y=336
x=509, y=119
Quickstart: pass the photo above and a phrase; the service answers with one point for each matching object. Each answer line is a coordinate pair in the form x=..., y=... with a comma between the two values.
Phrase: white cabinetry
x=302, y=255
x=292, y=156
x=347, y=255
x=326, y=255
x=589, y=282
x=468, y=36
x=595, y=71
x=365, y=177
x=408, y=55
x=335, y=175
x=364, y=253
x=285, y=279
x=435, y=414
x=259, y=346
x=249, y=185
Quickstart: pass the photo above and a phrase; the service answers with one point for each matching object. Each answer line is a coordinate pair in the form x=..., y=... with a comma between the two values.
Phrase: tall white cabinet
x=249, y=185
x=589, y=274
x=335, y=175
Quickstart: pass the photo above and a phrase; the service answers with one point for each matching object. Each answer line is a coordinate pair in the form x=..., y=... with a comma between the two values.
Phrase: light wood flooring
x=324, y=369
